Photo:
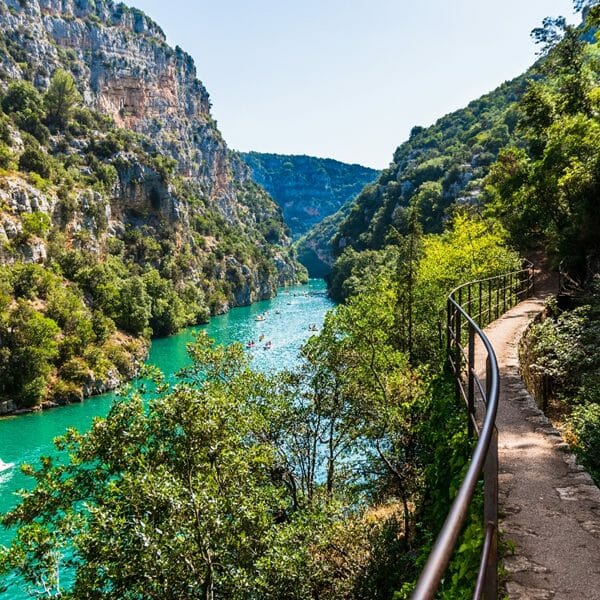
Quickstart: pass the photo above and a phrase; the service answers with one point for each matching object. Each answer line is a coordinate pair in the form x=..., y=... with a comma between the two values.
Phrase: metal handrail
x=512, y=288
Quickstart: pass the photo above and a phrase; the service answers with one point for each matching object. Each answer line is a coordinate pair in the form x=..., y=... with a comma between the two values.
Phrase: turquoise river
x=23, y=439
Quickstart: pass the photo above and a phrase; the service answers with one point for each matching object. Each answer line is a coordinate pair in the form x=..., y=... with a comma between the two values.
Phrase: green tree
x=22, y=97
x=135, y=306
x=32, y=342
x=167, y=312
x=181, y=499
x=34, y=160
x=552, y=189
x=24, y=103
x=61, y=99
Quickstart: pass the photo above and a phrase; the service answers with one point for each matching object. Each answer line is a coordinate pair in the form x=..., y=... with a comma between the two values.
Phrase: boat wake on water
x=5, y=466
x=6, y=471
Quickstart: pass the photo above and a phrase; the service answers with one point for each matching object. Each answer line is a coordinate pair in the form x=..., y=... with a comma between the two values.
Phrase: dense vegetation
x=307, y=188
x=563, y=371
x=547, y=191
x=328, y=481
x=88, y=310
x=438, y=169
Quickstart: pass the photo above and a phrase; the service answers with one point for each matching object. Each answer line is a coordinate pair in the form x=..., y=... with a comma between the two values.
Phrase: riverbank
x=25, y=438
x=133, y=352
x=128, y=354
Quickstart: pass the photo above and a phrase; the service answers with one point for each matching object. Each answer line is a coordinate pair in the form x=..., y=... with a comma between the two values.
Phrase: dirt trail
x=549, y=506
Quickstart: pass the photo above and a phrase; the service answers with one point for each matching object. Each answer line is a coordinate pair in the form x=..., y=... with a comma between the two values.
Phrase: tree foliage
x=61, y=99
x=233, y=484
x=548, y=192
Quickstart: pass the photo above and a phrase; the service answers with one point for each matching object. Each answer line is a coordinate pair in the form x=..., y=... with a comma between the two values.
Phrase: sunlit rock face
x=124, y=68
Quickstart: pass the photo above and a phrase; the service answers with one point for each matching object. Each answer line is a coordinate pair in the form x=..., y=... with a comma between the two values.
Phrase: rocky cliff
x=307, y=189
x=119, y=199
x=124, y=69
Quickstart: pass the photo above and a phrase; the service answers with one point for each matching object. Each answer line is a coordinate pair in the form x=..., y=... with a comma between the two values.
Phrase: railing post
x=480, y=312
x=489, y=319
x=504, y=294
x=497, y=300
x=490, y=502
x=471, y=380
x=458, y=344
x=469, y=300
x=448, y=326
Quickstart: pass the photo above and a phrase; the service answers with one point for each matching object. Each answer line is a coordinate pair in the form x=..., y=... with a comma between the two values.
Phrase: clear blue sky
x=347, y=79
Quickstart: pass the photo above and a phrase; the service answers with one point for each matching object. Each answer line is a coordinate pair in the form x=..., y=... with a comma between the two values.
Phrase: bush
x=22, y=97
x=31, y=124
x=6, y=157
x=585, y=424
x=5, y=133
x=106, y=174
x=36, y=224
x=66, y=392
x=75, y=370
x=34, y=160
x=24, y=103
x=103, y=326
x=120, y=358
x=31, y=280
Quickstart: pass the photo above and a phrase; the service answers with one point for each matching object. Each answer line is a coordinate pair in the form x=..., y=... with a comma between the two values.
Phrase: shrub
x=36, y=224
x=585, y=424
x=103, y=326
x=6, y=157
x=106, y=174
x=5, y=134
x=31, y=123
x=122, y=360
x=34, y=160
x=22, y=97
x=66, y=392
x=75, y=370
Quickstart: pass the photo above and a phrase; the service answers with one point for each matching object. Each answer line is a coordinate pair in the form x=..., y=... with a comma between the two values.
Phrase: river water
x=25, y=438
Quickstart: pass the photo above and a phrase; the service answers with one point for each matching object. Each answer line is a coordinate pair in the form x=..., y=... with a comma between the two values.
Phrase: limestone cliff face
x=124, y=68
x=308, y=189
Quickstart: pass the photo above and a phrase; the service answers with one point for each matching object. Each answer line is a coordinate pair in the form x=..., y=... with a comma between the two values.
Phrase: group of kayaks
x=268, y=344
x=252, y=344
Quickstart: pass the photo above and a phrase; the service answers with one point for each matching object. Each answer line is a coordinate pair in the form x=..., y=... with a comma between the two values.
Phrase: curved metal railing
x=463, y=330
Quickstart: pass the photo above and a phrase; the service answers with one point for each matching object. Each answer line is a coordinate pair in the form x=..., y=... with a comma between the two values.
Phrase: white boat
x=5, y=466
x=259, y=318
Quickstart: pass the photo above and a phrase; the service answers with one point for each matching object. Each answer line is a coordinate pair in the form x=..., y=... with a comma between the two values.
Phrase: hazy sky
x=347, y=79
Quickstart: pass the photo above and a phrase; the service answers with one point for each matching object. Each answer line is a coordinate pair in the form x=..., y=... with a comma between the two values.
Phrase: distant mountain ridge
x=307, y=188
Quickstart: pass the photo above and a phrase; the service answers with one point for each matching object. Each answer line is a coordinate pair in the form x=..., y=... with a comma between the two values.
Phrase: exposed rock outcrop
x=124, y=68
